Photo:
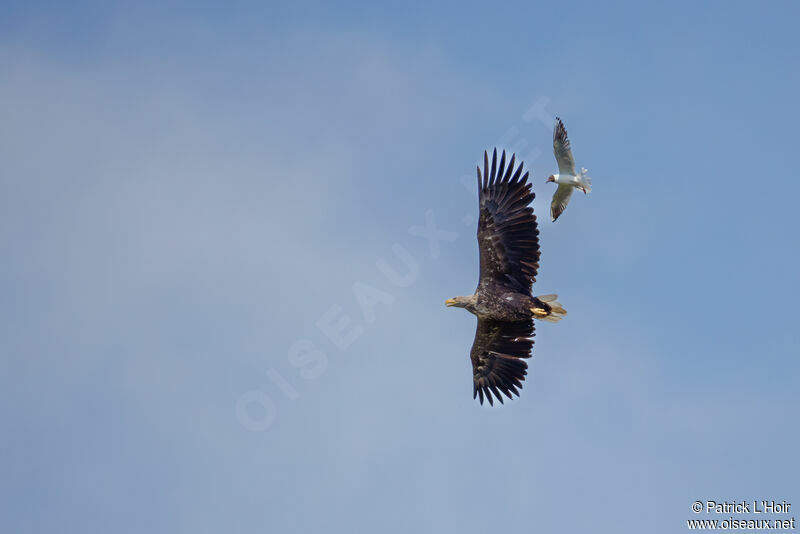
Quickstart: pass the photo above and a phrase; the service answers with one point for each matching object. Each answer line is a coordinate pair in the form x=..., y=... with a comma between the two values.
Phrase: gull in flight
x=566, y=178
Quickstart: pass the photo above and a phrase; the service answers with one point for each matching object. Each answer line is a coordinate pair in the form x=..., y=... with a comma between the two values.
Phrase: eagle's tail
x=585, y=181
x=557, y=311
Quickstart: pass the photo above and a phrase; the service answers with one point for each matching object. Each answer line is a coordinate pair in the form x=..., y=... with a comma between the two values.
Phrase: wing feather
x=562, y=149
x=498, y=358
x=560, y=200
x=508, y=236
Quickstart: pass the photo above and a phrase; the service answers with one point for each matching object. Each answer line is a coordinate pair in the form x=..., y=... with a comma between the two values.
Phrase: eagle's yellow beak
x=450, y=302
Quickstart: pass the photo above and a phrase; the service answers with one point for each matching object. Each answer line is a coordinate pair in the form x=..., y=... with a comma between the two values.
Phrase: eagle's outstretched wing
x=508, y=238
x=562, y=149
x=497, y=352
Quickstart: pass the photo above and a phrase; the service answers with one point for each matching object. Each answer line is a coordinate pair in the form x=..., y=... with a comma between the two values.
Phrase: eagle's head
x=460, y=302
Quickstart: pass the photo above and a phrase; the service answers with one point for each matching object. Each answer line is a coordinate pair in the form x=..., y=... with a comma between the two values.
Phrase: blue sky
x=189, y=193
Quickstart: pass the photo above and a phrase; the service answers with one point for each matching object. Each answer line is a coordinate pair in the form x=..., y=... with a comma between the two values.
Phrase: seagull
x=566, y=178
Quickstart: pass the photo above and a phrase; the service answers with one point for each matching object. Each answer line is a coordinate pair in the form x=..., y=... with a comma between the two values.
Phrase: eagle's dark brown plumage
x=508, y=239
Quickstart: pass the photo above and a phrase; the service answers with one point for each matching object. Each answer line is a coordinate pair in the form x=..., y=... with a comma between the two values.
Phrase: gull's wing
x=507, y=232
x=497, y=358
x=562, y=150
x=560, y=200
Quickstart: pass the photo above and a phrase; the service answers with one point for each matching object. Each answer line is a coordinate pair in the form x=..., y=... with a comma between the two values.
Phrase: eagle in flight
x=509, y=259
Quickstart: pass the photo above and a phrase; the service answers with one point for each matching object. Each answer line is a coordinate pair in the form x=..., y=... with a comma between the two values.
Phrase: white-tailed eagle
x=509, y=259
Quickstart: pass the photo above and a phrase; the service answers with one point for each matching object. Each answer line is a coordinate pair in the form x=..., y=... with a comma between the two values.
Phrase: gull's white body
x=567, y=179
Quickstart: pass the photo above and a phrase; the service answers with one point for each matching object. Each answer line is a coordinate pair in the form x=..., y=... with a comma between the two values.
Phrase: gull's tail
x=557, y=311
x=585, y=181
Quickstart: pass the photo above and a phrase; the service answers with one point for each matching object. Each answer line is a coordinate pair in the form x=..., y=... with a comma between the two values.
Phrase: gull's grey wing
x=560, y=200
x=562, y=149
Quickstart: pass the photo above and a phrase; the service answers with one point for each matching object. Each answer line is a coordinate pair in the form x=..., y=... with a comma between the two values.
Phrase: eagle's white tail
x=585, y=180
x=557, y=311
